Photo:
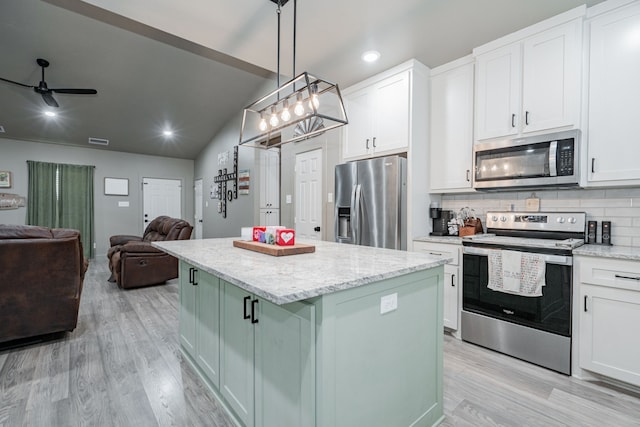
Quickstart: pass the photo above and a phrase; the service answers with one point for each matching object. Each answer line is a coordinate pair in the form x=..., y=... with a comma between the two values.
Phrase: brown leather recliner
x=134, y=262
x=41, y=276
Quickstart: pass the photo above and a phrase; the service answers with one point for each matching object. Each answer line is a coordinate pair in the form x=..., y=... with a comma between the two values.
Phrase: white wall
x=620, y=206
x=109, y=218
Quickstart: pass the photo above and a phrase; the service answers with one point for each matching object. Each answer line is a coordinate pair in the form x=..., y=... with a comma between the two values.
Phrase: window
x=61, y=196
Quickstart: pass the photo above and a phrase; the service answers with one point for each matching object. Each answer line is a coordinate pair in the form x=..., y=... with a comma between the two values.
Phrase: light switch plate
x=329, y=197
x=123, y=204
x=388, y=303
x=288, y=198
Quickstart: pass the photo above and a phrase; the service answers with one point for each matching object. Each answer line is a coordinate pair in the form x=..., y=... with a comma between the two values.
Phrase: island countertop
x=281, y=280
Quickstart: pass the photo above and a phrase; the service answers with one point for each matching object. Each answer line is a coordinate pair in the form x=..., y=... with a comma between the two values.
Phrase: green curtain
x=61, y=196
x=42, y=206
x=75, y=202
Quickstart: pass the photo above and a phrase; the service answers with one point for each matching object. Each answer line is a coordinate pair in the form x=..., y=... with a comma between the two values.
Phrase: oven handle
x=549, y=259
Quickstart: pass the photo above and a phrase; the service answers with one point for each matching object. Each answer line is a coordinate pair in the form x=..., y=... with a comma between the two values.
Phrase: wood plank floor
x=122, y=367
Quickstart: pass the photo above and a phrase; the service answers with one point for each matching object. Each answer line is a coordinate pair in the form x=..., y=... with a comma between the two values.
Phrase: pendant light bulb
x=314, y=100
x=285, y=115
x=299, y=108
x=274, y=121
x=263, y=124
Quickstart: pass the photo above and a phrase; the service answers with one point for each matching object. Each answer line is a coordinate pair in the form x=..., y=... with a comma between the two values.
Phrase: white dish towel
x=516, y=273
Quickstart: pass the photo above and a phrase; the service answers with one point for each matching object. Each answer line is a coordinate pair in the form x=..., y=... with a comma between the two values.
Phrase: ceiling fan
x=46, y=91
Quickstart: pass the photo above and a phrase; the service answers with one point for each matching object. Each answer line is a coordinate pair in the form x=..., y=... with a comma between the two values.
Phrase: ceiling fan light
x=50, y=113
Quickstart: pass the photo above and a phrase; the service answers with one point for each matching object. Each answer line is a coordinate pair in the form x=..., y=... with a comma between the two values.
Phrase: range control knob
x=560, y=220
x=572, y=220
x=494, y=218
x=503, y=218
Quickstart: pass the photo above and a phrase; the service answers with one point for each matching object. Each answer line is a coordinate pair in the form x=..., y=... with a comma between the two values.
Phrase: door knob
x=317, y=229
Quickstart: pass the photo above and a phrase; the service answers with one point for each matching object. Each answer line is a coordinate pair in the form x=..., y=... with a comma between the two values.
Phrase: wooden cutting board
x=275, y=250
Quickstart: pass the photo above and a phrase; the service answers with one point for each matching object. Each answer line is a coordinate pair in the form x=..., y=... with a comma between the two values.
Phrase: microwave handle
x=553, y=151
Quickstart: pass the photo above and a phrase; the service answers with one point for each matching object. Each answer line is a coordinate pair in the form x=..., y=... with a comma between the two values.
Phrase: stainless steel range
x=517, y=285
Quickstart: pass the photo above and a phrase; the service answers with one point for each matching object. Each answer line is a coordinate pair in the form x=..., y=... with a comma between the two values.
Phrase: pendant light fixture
x=301, y=108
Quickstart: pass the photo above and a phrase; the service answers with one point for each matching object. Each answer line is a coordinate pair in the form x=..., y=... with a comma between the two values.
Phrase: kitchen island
x=345, y=336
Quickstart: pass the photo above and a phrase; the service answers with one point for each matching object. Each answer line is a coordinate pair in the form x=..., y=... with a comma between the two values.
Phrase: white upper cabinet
x=498, y=92
x=614, y=90
x=451, y=129
x=532, y=84
x=551, y=78
x=269, y=179
x=378, y=117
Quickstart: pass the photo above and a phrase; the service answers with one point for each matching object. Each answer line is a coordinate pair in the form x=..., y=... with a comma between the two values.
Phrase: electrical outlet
x=388, y=303
x=288, y=198
x=329, y=197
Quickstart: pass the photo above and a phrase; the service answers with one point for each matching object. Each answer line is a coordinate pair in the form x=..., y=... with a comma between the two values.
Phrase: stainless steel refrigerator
x=371, y=203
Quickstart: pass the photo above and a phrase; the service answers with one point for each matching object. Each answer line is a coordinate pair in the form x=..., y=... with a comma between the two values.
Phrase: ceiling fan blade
x=76, y=91
x=48, y=98
x=16, y=83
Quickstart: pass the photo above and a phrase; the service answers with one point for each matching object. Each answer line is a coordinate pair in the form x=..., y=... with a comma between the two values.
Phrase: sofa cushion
x=24, y=232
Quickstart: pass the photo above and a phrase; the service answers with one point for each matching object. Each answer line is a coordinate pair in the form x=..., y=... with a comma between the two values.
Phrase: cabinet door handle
x=593, y=165
x=194, y=283
x=585, y=303
x=619, y=276
x=435, y=253
x=246, y=315
x=526, y=118
x=453, y=277
x=374, y=142
x=513, y=120
x=468, y=175
x=254, y=305
x=367, y=143
x=191, y=275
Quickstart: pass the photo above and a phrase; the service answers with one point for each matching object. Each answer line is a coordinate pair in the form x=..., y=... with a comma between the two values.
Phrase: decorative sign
x=11, y=201
x=244, y=181
x=223, y=177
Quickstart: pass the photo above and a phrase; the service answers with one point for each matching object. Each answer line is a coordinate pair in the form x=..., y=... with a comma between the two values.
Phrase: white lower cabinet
x=452, y=282
x=269, y=217
x=609, y=312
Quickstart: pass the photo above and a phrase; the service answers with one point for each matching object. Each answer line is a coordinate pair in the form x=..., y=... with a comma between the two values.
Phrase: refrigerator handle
x=355, y=215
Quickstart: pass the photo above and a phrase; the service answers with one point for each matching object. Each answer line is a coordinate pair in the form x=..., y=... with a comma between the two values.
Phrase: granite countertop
x=606, y=251
x=332, y=267
x=454, y=240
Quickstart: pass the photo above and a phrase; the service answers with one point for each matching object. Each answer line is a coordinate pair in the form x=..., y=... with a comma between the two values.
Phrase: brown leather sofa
x=134, y=262
x=41, y=276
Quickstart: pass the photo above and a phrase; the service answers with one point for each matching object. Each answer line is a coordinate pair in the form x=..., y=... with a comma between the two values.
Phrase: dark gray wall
x=109, y=218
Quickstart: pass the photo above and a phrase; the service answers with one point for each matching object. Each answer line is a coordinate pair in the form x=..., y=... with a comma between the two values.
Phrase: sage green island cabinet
x=345, y=336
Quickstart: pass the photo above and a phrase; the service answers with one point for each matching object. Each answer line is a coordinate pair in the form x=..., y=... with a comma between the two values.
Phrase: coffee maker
x=440, y=220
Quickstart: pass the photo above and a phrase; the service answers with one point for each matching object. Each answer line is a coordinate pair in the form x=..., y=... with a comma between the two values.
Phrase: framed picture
x=5, y=179
x=116, y=186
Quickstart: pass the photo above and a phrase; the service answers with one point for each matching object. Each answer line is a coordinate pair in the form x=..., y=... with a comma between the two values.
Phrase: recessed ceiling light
x=167, y=132
x=371, y=56
x=50, y=113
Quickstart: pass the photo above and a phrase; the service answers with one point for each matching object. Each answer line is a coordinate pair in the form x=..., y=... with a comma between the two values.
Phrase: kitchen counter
x=605, y=251
x=345, y=336
x=453, y=240
x=281, y=280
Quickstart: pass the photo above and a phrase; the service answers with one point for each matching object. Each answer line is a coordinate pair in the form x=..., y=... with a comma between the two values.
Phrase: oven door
x=550, y=312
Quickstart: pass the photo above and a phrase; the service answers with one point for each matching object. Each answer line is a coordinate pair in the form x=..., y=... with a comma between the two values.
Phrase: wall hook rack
x=227, y=195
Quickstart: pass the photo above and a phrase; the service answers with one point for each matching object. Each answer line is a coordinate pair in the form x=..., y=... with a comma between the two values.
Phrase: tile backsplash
x=621, y=206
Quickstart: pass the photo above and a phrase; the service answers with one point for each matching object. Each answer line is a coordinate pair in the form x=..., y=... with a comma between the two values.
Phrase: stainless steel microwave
x=550, y=160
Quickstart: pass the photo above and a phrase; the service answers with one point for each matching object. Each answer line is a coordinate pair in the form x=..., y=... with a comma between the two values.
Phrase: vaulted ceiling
x=192, y=66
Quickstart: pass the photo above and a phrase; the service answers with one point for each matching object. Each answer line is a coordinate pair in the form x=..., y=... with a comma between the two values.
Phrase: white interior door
x=197, y=218
x=160, y=197
x=308, y=195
